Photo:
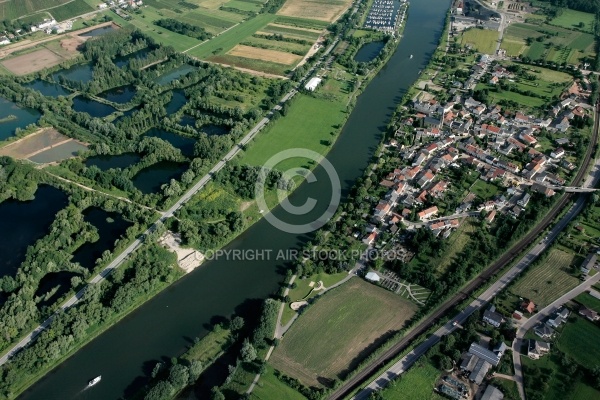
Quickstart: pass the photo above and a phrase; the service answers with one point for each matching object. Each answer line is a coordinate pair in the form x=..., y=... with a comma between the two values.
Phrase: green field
x=581, y=340
x=271, y=388
x=13, y=9
x=571, y=19
x=355, y=316
x=295, y=130
x=302, y=22
x=482, y=40
x=244, y=5
x=71, y=10
x=484, y=189
x=589, y=301
x=288, y=31
x=549, y=280
x=508, y=387
x=415, y=384
x=526, y=101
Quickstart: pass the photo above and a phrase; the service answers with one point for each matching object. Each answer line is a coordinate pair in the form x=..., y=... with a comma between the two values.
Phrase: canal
x=164, y=326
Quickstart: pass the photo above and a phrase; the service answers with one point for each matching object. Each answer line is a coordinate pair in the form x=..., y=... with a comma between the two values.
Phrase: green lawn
x=508, y=387
x=549, y=280
x=571, y=19
x=310, y=122
x=482, y=40
x=271, y=388
x=484, y=189
x=415, y=384
x=355, y=316
x=455, y=244
x=581, y=340
x=244, y=5
x=226, y=41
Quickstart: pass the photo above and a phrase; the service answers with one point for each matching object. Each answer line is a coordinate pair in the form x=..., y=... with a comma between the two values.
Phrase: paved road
x=407, y=361
x=178, y=204
x=537, y=318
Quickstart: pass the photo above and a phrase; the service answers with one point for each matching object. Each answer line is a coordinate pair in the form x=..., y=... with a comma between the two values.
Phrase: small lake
x=78, y=73
x=61, y=281
x=92, y=107
x=174, y=74
x=185, y=144
x=28, y=222
x=113, y=161
x=177, y=101
x=99, y=31
x=120, y=95
x=49, y=89
x=150, y=179
x=13, y=117
x=187, y=120
x=58, y=153
x=110, y=225
x=369, y=51
x=211, y=129
x=121, y=61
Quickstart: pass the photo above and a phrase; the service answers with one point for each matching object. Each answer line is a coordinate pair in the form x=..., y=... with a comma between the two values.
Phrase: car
x=455, y=323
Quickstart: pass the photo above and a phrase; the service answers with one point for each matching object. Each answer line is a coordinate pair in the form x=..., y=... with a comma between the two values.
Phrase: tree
x=237, y=323
x=195, y=370
x=179, y=376
x=215, y=394
x=445, y=363
x=161, y=391
x=248, y=352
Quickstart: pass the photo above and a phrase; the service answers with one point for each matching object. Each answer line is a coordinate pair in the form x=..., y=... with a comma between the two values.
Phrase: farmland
x=415, y=384
x=549, y=280
x=321, y=10
x=482, y=40
x=357, y=314
x=13, y=9
x=274, y=56
x=579, y=339
x=70, y=10
x=571, y=19
x=539, y=41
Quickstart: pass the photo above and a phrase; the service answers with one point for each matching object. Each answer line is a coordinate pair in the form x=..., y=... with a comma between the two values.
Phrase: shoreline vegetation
x=19, y=384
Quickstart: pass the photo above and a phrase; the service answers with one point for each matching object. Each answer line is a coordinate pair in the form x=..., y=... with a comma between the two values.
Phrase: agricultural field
x=13, y=9
x=415, y=384
x=71, y=10
x=545, y=282
x=33, y=144
x=256, y=53
x=589, y=301
x=580, y=340
x=572, y=19
x=32, y=62
x=320, y=10
x=482, y=40
x=357, y=314
x=547, y=42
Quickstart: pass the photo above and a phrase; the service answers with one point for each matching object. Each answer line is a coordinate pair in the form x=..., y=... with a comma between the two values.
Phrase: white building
x=312, y=84
x=372, y=277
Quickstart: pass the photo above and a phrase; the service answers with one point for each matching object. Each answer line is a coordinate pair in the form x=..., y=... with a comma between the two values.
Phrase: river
x=164, y=326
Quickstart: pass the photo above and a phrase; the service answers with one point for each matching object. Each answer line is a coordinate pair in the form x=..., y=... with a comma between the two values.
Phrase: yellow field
x=278, y=57
x=321, y=10
x=32, y=62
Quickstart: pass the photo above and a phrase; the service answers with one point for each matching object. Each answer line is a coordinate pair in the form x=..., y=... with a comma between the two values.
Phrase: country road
x=119, y=259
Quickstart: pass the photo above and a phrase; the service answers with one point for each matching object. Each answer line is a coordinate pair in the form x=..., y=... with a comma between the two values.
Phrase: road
x=591, y=179
x=119, y=259
x=537, y=318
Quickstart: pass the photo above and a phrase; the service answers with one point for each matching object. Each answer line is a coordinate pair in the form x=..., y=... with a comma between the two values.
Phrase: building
x=372, y=277
x=480, y=371
x=589, y=314
x=484, y=354
x=427, y=213
x=492, y=393
x=528, y=306
x=312, y=84
x=537, y=349
x=492, y=317
x=544, y=331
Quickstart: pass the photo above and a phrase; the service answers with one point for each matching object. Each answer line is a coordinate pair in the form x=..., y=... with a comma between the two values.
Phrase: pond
x=121, y=61
x=110, y=226
x=24, y=222
x=212, y=129
x=61, y=152
x=174, y=74
x=54, y=285
x=113, y=161
x=120, y=95
x=187, y=120
x=150, y=179
x=369, y=51
x=185, y=144
x=177, y=101
x=49, y=89
x=77, y=73
x=99, y=31
x=13, y=116
x=92, y=107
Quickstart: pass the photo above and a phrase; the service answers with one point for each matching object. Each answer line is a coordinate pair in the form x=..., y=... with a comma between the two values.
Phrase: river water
x=164, y=326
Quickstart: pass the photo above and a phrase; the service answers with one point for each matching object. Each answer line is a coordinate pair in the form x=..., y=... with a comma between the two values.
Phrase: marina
x=384, y=15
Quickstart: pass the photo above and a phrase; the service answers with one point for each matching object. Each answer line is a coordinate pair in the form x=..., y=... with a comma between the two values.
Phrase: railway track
x=482, y=278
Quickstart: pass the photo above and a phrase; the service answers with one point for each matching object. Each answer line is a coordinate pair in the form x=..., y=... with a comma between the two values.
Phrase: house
x=480, y=371
x=557, y=153
x=536, y=187
x=544, y=331
x=492, y=393
x=102, y=6
x=490, y=217
x=494, y=80
x=427, y=213
x=425, y=178
x=524, y=200
x=372, y=277
x=500, y=349
x=312, y=83
x=4, y=40
x=589, y=314
x=492, y=317
x=536, y=349
x=382, y=209
x=563, y=124
x=370, y=238
x=484, y=354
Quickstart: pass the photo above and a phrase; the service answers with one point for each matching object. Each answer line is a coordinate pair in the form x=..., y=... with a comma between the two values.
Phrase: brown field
x=299, y=28
x=321, y=10
x=337, y=332
x=278, y=57
x=32, y=62
x=33, y=144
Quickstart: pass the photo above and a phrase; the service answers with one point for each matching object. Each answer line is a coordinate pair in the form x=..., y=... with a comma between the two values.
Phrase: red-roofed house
x=427, y=213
